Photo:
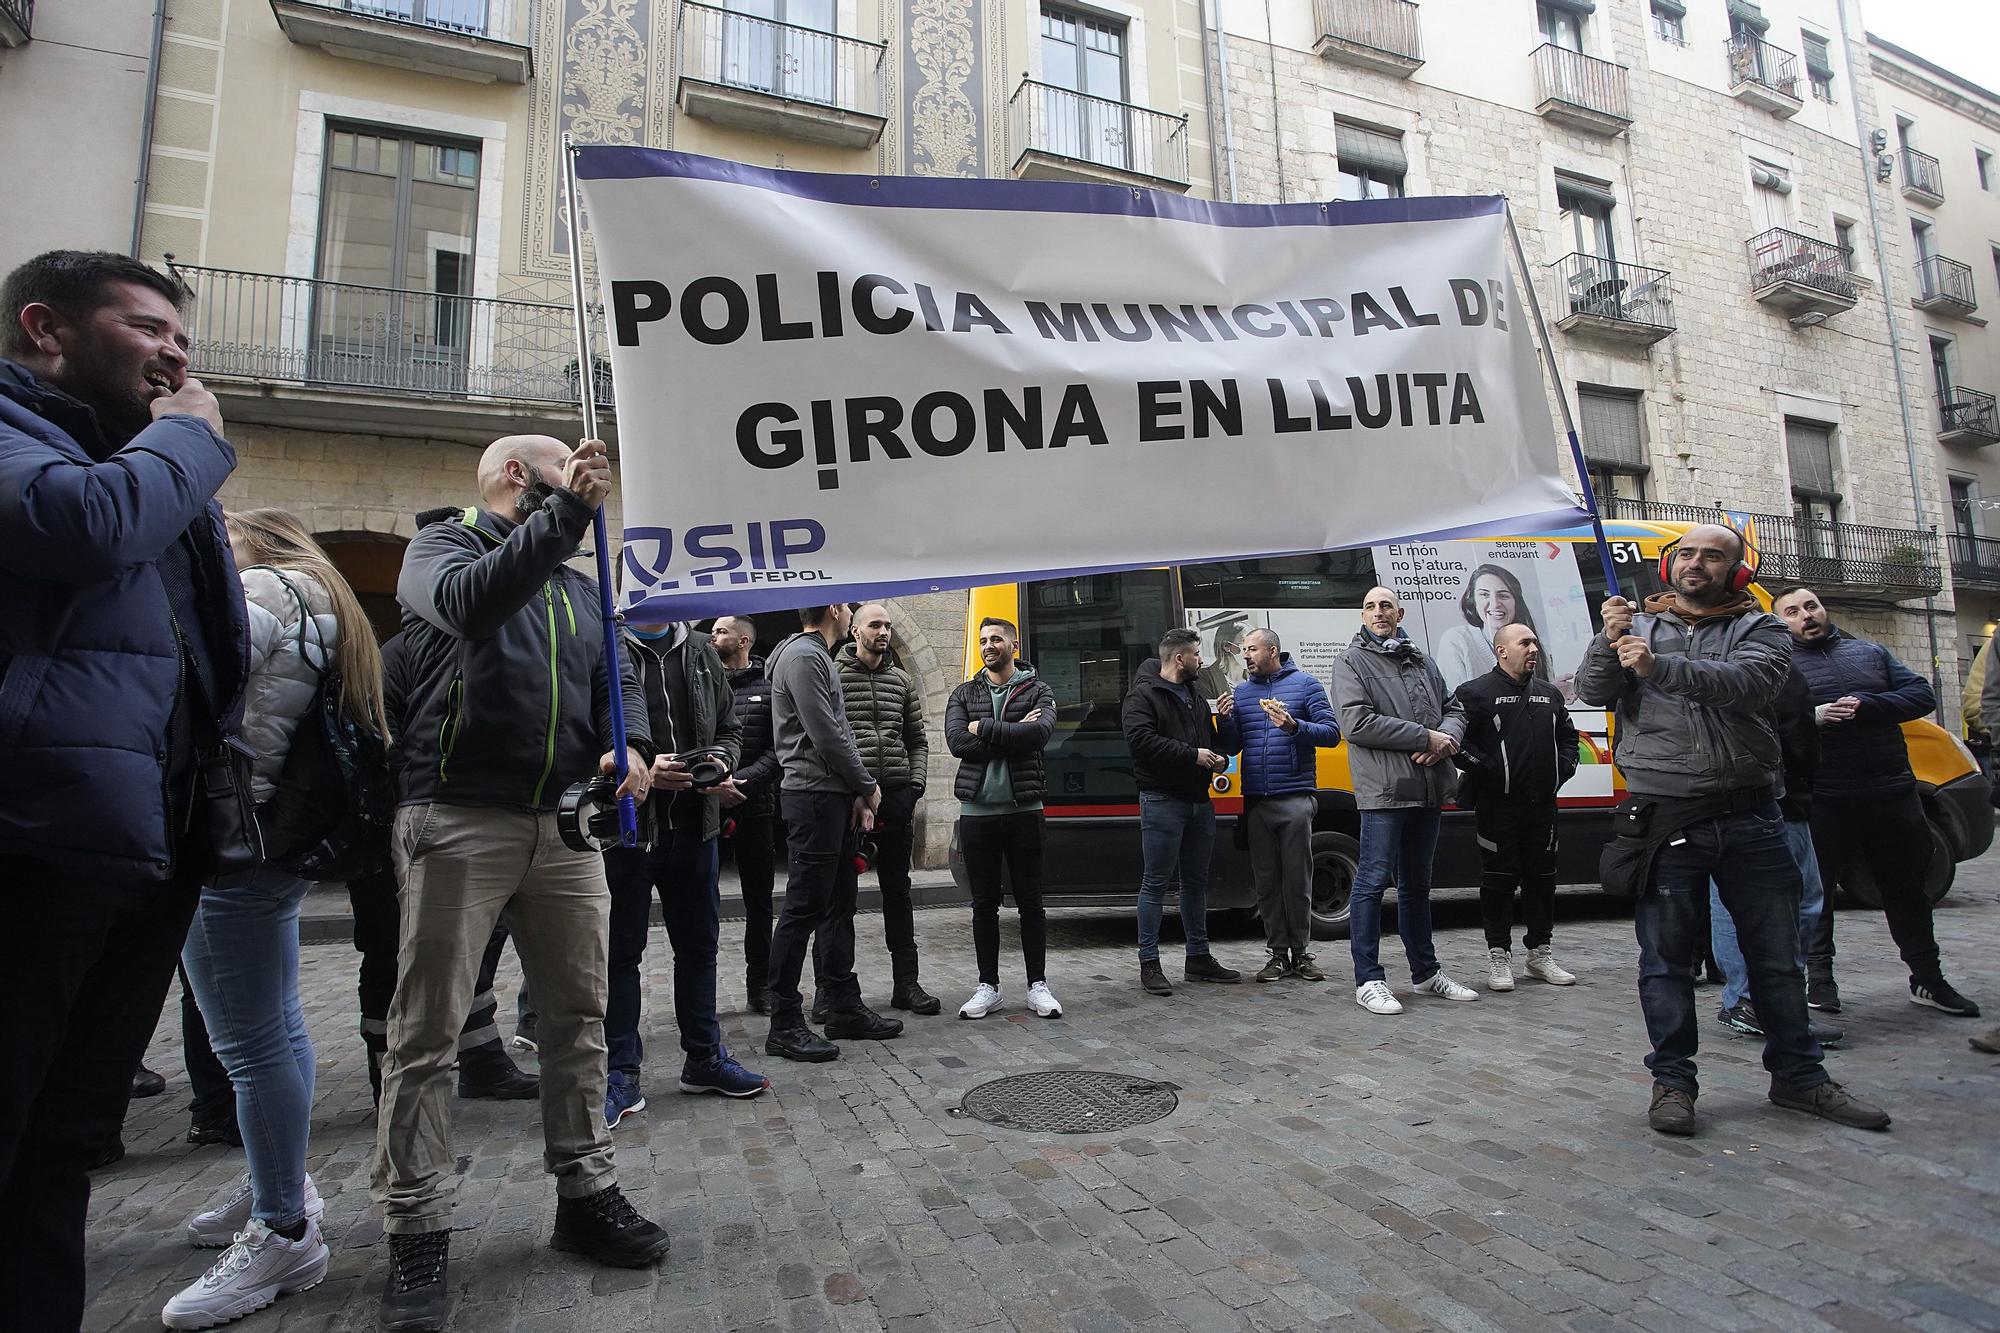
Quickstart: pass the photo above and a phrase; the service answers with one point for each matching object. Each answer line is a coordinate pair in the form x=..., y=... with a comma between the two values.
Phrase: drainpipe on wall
x=1277, y=132
x=1214, y=8
x=1895, y=340
x=146, y=123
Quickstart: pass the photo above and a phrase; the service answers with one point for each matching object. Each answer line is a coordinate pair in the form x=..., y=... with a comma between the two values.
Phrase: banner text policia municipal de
x=836, y=386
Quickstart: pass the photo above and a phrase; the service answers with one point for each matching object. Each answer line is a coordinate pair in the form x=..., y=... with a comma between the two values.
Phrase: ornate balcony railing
x=1923, y=175
x=1388, y=26
x=17, y=21
x=472, y=18
x=1967, y=415
x=336, y=335
x=1043, y=118
x=784, y=60
x=1574, y=79
x=1779, y=255
x=1975, y=560
x=1849, y=560
x=1946, y=285
x=1754, y=61
x=1611, y=289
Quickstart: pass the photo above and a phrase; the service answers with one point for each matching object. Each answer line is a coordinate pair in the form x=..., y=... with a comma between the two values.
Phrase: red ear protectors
x=1740, y=573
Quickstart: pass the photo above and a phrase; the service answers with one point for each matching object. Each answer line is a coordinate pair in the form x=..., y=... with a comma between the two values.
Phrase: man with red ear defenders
x=1692, y=677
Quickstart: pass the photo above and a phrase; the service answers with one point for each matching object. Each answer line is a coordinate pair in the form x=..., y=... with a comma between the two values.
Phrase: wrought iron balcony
x=1944, y=287
x=1374, y=34
x=1967, y=416
x=1582, y=91
x=1923, y=178
x=17, y=22
x=1763, y=75
x=1848, y=562
x=481, y=41
x=780, y=78
x=1801, y=276
x=1057, y=134
x=420, y=353
x=1975, y=561
x=1611, y=301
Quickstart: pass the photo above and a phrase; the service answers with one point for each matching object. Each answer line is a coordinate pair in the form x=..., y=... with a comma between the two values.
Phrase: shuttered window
x=1611, y=428
x=1809, y=448
x=1372, y=164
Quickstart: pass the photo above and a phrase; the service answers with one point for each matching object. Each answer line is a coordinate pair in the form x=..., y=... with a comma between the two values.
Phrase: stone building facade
x=1648, y=148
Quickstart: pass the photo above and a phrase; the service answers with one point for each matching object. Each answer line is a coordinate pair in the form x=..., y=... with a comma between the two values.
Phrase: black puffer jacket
x=1009, y=737
x=757, y=765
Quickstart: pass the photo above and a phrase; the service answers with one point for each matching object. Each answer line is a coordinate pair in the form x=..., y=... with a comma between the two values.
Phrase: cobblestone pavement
x=1461, y=1167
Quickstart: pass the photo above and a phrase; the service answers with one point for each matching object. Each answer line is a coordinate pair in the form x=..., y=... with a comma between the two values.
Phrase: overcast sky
x=1963, y=36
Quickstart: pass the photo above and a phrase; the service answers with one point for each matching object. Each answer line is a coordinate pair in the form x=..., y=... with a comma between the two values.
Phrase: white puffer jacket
x=282, y=682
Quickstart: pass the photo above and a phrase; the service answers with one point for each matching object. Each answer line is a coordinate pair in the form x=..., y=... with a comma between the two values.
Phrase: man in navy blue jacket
x=1285, y=720
x=1865, y=803
x=124, y=648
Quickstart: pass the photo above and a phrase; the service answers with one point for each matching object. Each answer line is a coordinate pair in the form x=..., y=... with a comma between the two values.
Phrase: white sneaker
x=219, y=1225
x=1445, y=988
x=1542, y=966
x=1377, y=998
x=257, y=1268
x=984, y=1001
x=1042, y=1000
x=1500, y=969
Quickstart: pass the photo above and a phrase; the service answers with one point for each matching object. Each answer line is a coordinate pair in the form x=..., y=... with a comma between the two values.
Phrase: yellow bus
x=1087, y=636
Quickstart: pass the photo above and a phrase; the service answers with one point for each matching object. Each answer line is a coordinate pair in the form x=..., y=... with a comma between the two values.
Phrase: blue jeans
x=1174, y=835
x=683, y=867
x=1398, y=845
x=1722, y=927
x=1747, y=856
x=242, y=958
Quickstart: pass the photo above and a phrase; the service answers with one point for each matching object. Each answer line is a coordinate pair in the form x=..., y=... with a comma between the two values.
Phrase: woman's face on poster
x=1495, y=601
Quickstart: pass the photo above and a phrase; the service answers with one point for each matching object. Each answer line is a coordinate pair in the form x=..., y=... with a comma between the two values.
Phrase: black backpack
x=330, y=815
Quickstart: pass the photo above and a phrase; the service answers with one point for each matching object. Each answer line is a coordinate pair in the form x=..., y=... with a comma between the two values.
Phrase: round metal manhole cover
x=1071, y=1101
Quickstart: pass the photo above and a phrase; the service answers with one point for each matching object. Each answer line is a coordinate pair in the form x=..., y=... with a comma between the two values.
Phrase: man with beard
x=1692, y=678
x=750, y=797
x=1865, y=803
x=123, y=656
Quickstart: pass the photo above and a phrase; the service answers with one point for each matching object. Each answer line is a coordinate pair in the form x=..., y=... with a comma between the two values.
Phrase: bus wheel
x=1335, y=859
x=1862, y=891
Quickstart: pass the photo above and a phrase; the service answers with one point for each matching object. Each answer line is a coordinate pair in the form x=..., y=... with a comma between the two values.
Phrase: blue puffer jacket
x=89, y=667
x=1864, y=757
x=1274, y=763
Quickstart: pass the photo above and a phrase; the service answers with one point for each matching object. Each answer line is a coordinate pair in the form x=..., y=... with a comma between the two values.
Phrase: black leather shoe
x=863, y=1024
x=1203, y=967
x=1152, y=979
x=800, y=1043
x=110, y=1156
x=145, y=1083
x=414, y=1299
x=608, y=1229
x=760, y=995
x=486, y=1074
x=201, y=1133
x=820, y=1010
x=915, y=999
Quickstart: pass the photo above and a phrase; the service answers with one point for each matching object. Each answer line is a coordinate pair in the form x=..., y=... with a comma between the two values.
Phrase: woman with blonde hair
x=242, y=952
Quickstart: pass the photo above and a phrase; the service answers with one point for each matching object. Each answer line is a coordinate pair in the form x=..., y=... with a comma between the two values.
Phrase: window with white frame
x=1982, y=162
x=1670, y=22
x=1819, y=65
x=1084, y=98
x=1372, y=164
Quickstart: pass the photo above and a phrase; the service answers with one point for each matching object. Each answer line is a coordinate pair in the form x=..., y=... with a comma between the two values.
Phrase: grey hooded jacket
x=1701, y=726
x=1388, y=697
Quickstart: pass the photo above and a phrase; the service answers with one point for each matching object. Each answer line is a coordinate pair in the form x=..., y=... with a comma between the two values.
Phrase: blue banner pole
x=1569, y=420
x=586, y=378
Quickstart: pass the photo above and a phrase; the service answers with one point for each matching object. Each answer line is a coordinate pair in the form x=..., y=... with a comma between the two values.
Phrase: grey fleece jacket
x=815, y=745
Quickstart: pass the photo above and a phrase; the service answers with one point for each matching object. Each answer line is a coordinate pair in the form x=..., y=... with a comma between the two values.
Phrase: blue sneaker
x=621, y=1098
x=722, y=1074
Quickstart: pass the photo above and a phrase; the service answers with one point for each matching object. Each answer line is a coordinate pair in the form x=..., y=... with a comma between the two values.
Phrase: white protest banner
x=836, y=385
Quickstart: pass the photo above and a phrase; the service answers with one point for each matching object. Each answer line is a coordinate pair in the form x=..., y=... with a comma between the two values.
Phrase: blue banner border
x=1006, y=195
